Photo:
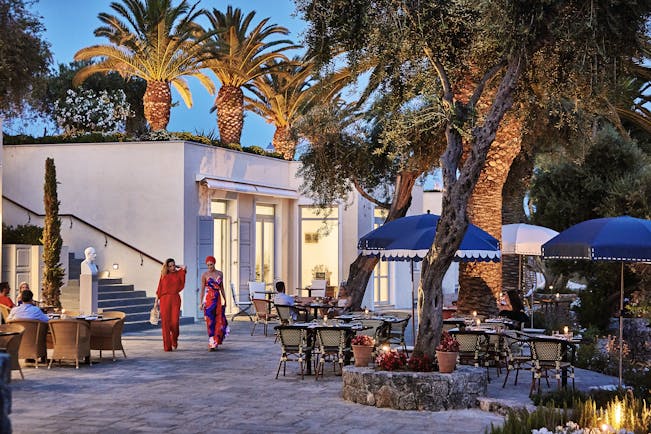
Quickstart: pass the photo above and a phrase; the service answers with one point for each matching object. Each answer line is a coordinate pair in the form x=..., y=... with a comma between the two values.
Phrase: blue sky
x=70, y=24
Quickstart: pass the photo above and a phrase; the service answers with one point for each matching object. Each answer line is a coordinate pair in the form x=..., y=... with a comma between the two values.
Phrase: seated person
x=27, y=310
x=516, y=313
x=344, y=301
x=4, y=295
x=23, y=286
x=283, y=299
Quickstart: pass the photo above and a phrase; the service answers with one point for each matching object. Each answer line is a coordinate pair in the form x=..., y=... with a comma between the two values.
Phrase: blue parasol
x=624, y=239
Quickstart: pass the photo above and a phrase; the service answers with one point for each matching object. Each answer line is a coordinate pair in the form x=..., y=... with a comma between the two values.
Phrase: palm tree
x=237, y=58
x=288, y=92
x=155, y=41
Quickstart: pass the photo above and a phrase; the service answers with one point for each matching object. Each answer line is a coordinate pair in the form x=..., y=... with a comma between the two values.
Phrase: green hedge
x=22, y=234
x=22, y=139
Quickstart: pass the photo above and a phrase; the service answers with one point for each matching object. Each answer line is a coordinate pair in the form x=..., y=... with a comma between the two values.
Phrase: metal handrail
x=103, y=232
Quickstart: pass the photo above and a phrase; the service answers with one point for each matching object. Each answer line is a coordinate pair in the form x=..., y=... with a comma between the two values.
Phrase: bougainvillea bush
x=363, y=340
x=391, y=360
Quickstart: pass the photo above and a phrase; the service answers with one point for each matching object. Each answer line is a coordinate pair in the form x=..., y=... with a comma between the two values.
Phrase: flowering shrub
x=391, y=360
x=447, y=343
x=85, y=111
x=420, y=363
x=363, y=340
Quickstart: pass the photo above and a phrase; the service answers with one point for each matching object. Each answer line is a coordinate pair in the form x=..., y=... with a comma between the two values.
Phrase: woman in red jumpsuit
x=171, y=283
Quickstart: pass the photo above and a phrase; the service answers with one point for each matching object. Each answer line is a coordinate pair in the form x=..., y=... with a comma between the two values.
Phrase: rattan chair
x=293, y=347
x=518, y=356
x=33, y=344
x=546, y=355
x=472, y=348
x=330, y=346
x=71, y=340
x=284, y=313
x=11, y=344
x=262, y=314
x=107, y=334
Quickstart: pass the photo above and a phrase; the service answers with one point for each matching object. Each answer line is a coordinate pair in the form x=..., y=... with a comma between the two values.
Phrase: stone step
x=105, y=296
x=114, y=287
x=114, y=303
x=134, y=309
x=503, y=406
x=109, y=281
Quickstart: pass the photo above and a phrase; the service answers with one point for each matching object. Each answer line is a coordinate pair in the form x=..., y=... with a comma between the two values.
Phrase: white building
x=139, y=203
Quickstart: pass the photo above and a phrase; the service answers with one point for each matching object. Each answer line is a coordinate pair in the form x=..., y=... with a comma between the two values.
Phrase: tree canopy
x=24, y=55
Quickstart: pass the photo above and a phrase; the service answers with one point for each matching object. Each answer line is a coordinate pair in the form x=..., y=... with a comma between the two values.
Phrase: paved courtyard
x=231, y=390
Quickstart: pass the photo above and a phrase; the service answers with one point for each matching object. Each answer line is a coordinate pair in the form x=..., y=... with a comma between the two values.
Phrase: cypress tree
x=52, y=270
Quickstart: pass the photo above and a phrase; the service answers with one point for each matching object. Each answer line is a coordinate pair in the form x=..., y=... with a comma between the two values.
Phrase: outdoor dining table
x=311, y=327
x=315, y=307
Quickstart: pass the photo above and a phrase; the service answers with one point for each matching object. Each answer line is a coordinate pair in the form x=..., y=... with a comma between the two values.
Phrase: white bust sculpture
x=88, y=265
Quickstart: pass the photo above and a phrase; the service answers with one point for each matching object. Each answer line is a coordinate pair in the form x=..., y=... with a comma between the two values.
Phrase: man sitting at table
x=283, y=299
x=27, y=310
x=4, y=295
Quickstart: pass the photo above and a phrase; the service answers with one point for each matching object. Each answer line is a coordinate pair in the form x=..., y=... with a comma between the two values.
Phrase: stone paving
x=193, y=390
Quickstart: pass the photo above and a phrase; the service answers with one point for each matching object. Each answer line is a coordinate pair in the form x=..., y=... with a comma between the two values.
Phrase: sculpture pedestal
x=88, y=293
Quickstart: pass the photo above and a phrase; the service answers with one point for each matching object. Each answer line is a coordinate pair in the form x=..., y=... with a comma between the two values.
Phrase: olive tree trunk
x=361, y=269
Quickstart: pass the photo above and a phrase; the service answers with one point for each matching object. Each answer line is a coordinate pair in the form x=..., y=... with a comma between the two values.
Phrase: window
x=319, y=245
x=381, y=273
x=221, y=237
x=264, y=243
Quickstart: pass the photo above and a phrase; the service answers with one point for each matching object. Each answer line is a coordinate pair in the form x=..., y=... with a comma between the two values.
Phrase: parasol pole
x=413, y=318
x=621, y=322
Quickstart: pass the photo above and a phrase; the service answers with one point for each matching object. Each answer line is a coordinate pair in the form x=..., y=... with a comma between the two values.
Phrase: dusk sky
x=70, y=24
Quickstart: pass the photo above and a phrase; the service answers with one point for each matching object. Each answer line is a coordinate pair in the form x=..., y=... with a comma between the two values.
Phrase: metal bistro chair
x=375, y=328
x=293, y=347
x=262, y=314
x=243, y=306
x=331, y=345
x=284, y=313
x=396, y=330
x=546, y=355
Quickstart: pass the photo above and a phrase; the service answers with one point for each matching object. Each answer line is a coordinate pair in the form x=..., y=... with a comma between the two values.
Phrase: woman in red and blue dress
x=213, y=303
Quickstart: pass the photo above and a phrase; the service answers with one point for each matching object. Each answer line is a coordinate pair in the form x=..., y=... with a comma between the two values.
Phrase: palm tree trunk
x=515, y=189
x=283, y=142
x=230, y=114
x=361, y=269
x=157, y=102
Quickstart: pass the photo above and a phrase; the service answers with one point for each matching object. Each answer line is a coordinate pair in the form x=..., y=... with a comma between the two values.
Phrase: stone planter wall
x=431, y=391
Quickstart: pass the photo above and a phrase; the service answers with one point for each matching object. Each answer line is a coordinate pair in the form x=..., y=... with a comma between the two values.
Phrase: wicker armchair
x=33, y=344
x=331, y=346
x=70, y=339
x=107, y=334
x=11, y=344
x=293, y=346
x=375, y=328
x=4, y=313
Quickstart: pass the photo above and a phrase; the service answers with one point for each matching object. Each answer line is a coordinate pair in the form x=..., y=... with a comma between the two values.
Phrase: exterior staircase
x=113, y=295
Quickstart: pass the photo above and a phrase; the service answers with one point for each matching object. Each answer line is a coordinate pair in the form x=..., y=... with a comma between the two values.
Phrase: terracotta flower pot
x=362, y=354
x=447, y=361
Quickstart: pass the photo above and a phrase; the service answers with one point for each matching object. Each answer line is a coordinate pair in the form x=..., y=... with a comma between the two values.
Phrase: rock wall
x=431, y=391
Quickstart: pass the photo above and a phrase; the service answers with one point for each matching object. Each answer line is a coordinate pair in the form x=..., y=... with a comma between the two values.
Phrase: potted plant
x=447, y=352
x=362, y=349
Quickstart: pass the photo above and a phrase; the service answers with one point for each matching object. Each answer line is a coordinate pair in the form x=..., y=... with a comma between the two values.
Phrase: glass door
x=264, y=243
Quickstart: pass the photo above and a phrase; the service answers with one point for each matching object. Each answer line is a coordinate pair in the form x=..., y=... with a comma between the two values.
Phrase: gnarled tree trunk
x=157, y=102
x=230, y=114
x=361, y=269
